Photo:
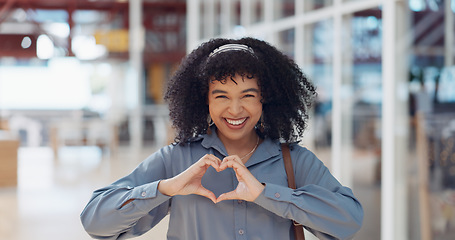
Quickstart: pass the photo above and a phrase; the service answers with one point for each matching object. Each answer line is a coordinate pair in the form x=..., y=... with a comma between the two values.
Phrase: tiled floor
x=51, y=193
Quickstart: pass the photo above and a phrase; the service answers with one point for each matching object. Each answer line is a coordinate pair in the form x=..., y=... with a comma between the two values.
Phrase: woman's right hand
x=189, y=181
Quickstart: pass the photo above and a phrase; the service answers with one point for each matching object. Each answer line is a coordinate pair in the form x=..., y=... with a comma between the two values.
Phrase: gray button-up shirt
x=320, y=202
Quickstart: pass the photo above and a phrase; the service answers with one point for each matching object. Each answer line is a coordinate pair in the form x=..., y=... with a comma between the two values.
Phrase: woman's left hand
x=249, y=188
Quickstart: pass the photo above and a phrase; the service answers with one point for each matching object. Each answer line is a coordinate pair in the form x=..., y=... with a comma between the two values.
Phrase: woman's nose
x=235, y=107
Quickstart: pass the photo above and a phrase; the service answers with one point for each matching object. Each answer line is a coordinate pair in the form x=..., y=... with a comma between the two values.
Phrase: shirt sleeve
x=320, y=203
x=106, y=216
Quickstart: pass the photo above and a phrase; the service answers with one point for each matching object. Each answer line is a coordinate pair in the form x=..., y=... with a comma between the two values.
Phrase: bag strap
x=298, y=228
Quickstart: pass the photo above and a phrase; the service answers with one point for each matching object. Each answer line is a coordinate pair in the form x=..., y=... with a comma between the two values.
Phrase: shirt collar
x=267, y=149
x=212, y=141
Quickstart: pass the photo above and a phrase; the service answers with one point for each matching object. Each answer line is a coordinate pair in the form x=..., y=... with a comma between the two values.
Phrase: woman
x=232, y=102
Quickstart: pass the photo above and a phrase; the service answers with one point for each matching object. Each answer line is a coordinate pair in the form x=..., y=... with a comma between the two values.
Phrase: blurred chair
x=84, y=132
x=66, y=132
x=32, y=129
x=103, y=134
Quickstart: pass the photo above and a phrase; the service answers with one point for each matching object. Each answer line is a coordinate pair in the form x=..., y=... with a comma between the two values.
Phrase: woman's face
x=235, y=108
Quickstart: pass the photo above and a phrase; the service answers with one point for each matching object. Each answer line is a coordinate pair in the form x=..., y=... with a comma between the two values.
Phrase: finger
x=232, y=162
x=206, y=193
x=227, y=196
x=241, y=172
x=215, y=164
x=228, y=161
x=232, y=158
x=210, y=160
x=213, y=157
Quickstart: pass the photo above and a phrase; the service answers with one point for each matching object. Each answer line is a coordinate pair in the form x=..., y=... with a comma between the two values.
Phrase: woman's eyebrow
x=251, y=90
x=244, y=91
x=218, y=91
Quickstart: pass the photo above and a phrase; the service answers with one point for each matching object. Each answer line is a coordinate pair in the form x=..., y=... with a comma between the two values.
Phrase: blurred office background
x=81, y=100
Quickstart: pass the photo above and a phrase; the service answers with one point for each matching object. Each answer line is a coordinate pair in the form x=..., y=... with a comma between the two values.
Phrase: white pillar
x=299, y=34
x=401, y=117
x=395, y=122
x=209, y=18
x=246, y=13
x=299, y=57
x=347, y=107
x=388, y=208
x=337, y=116
x=192, y=24
x=226, y=16
x=268, y=19
x=136, y=46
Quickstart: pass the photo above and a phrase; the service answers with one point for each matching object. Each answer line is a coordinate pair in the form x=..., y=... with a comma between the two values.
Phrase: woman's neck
x=243, y=148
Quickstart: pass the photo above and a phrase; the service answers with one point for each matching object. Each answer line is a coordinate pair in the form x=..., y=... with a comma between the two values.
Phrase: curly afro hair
x=286, y=92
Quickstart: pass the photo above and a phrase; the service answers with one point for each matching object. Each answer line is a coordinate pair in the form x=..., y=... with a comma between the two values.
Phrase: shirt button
x=277, y=195
x=143, y=194
x=241, y=232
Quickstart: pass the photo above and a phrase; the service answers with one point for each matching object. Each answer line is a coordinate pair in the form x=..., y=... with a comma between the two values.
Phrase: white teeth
x=236, y=122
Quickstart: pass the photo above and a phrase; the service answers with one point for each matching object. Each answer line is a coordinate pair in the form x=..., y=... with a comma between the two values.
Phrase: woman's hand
x=189, y=181
x=249, y=188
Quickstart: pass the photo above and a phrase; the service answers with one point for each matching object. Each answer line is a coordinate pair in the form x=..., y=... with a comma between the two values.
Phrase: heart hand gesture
x=189, y=181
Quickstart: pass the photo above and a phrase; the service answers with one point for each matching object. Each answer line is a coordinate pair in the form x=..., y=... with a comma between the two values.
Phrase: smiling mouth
x=236, y=122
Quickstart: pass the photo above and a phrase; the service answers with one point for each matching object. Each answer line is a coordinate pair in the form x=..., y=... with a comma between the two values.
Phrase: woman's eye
x=221, y=96
x=249, y=95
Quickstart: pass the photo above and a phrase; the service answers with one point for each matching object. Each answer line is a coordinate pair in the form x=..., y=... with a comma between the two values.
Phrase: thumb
x=206, y=193
x=227, y=196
